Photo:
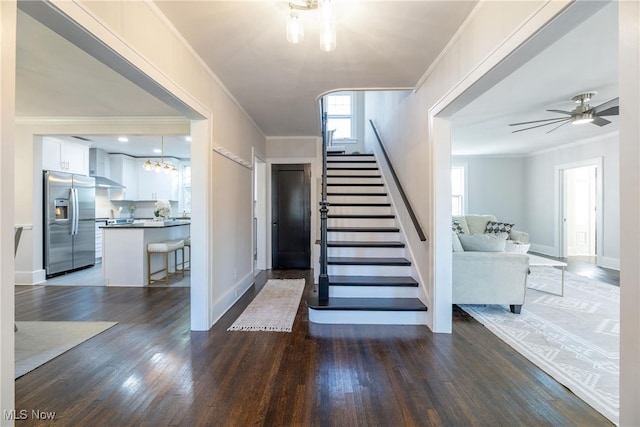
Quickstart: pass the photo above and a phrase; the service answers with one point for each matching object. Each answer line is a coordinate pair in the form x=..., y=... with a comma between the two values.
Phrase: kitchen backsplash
x=106, y=208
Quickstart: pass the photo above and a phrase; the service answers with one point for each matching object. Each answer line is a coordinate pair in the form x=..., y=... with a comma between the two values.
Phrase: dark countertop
x=166, y=224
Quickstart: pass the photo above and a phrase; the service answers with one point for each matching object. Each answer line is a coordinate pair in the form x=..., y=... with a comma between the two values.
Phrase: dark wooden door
x=291, y=216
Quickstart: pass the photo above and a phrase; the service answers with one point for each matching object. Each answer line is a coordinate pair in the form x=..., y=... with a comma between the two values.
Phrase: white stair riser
x=362, y=236
x=349, y=158
x=355, y=166
x=354, y=180
x=366, y=252
x=357, y=199
x=372, y=292
x=368, y=317
x=360, y=210
x=368, y=270
x=361, y=222
x=355, y=189
x=349, y=171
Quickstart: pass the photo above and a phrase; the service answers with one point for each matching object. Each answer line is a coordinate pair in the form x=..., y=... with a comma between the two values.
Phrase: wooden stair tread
x=355, y=184
x=357, y=194
x=364, y=244
x=334, y=154
x=368, y=261
x=362, y=216
x=372, y=281
x=368, y=304
x=364, y=205
x=350, y=161
x=363, y=229
x=354, y=176
x=364, y=168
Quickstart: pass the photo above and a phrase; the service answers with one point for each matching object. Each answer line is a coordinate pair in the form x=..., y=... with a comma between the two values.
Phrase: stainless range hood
x=97, y=161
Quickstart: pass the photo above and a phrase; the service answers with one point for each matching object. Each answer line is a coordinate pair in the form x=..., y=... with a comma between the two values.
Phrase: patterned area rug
x=39, y=342
x=574, y=338
x=274, y=309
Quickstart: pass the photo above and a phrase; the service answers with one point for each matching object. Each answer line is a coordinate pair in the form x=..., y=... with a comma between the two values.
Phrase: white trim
x=357, y=317
x=558, y=239
x=543, y=249
x=128, y=120
x=607, y=262
x=226, y=301
x=30, y=277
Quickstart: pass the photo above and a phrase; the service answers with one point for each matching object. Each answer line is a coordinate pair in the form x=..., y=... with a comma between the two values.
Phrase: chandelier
x=160, y=166
x=295, y=27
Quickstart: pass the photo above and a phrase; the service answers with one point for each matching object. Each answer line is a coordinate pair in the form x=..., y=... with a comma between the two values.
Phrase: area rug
x=274, y=309
x=574, y=338
x=36, y=343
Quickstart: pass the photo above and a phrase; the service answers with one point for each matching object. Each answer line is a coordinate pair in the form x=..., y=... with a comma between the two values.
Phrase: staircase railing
x=323, y=279
x=407, y=204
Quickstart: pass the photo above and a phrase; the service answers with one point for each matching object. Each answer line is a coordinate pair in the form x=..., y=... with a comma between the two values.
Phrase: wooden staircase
x=370, y=279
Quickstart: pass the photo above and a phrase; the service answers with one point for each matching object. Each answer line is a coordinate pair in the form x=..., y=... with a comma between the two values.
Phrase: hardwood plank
x=151, y=370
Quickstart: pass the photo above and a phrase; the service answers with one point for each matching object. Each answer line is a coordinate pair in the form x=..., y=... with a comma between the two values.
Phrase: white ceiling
x=381, y=44
x=584, y=60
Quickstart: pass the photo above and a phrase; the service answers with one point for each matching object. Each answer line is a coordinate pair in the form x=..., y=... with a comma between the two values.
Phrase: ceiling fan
x=583, y=113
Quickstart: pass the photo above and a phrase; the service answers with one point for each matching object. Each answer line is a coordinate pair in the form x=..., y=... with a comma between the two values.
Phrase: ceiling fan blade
x=561, y=112
x=612, y=111
x=544, y=124
x=568, y=121
x=599, y=121
x=536, y=121
x=615, y=102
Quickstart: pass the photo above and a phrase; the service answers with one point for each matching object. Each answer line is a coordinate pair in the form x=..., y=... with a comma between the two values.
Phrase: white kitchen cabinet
x=123, y=170
x=63, y=156
x=154, y=186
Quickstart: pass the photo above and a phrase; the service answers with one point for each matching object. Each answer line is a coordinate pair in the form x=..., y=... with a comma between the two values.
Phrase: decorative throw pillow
x=457, y=246
x=483, y=242
x=494, y=227
x=457, y=227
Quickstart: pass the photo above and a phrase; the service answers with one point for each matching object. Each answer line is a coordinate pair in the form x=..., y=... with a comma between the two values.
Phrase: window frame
x=463, y=196
x=352, y=117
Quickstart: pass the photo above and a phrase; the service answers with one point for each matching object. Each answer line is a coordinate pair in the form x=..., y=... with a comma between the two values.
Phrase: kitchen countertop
x=149, y=224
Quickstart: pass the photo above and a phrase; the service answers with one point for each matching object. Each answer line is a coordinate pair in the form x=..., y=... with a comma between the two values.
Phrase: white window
x=457, y=190
x=341, y=114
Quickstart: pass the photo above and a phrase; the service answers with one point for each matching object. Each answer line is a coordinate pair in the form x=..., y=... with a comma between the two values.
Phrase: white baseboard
x=607, y=262
x=224, y=303
x=543, y=249
x=348, y=317
x=30, y=277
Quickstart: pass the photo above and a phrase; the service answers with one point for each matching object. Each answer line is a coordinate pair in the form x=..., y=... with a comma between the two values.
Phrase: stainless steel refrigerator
x=69, y=222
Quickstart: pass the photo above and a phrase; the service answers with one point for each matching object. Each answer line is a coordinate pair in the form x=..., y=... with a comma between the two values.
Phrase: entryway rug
x=274, y=309
x=575, y=338
x=36, y=343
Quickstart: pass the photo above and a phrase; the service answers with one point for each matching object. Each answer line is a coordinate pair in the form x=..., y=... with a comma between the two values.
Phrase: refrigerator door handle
x=76, y=210
x=73, y=215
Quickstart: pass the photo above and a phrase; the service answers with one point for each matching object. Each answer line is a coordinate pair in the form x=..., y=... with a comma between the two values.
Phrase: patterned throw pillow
x=457, y=227
x=494, y=227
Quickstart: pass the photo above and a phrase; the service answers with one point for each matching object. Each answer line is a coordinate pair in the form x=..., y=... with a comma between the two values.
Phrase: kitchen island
x=124, y=249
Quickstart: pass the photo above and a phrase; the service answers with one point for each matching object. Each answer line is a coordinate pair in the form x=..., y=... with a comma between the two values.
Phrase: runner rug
x=36, y=343
x=574, y=338
x=274, y=309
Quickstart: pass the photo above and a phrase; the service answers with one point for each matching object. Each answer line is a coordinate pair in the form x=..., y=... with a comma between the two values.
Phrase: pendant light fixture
x=160, y=166
x=327, y=18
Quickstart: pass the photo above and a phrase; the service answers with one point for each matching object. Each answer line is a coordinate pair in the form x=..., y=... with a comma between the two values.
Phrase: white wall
x=495, y=186
x=7, y=145
x=542, y=195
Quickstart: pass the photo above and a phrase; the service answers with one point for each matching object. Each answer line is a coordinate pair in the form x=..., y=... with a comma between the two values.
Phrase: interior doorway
x=291, y=216
x=580, y=211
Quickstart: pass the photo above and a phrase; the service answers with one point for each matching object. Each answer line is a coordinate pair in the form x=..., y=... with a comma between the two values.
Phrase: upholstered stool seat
x=166, y=247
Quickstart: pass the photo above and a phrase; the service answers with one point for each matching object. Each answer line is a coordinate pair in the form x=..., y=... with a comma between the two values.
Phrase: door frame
x=315, y=209
x=559, y=226
x=259, y=192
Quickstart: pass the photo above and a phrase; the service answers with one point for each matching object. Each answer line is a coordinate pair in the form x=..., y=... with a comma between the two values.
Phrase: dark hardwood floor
x=151, y=370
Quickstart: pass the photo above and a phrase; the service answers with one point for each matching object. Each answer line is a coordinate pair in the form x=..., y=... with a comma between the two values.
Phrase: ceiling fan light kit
x=582, y=114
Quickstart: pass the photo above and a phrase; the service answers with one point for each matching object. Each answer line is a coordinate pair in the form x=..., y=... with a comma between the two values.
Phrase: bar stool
x=187, y=244
x=165, y=248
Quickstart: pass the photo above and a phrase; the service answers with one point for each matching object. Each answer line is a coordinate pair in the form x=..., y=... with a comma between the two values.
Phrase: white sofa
x=489, y=277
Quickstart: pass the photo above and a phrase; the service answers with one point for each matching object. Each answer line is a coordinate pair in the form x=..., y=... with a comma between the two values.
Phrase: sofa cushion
x=478, y=223
x=498, y=227
x=456, y=227
x=483, y=242
x=462, y=220
x=457, y=246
